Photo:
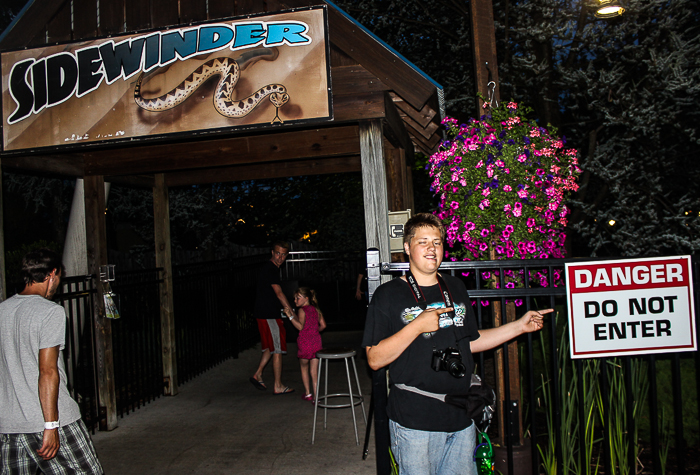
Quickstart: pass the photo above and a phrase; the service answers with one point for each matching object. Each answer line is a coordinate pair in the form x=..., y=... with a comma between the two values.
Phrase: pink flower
x=480, y=164
x=454, y=205
x=507, y=188
x=511, y=105
x=484, y=204
x=469, y=226
x=484, y=232
x=506, y=209
x=530, y=222
x=486, y=191
x=509, y=228
x=522, y=193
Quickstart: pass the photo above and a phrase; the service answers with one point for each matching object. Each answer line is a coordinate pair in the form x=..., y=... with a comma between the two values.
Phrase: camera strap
x=420, y=296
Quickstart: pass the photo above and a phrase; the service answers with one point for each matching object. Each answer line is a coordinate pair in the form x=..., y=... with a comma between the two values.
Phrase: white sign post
x=631, y=307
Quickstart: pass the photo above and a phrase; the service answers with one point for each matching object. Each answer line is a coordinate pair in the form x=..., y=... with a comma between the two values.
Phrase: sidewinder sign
x=631, y=307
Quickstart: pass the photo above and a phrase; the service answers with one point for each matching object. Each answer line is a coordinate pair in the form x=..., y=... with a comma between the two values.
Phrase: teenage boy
x=411, y=321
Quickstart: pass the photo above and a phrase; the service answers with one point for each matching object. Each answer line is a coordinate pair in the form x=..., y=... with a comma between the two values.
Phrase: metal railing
x=333, y=275
x=76, y=296
x=213, y=314
x=543, y=286
x=136, y=343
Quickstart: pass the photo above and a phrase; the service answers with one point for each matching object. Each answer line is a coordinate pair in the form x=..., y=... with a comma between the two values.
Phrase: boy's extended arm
x=492, y=337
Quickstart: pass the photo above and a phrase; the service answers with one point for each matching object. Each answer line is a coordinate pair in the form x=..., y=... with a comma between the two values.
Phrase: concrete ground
x=219, y=423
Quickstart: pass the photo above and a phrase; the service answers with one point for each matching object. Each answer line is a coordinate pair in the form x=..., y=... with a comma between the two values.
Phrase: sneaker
x=308, y=397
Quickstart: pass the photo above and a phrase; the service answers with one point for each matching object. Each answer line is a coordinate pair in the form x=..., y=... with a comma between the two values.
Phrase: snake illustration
x=224, y=103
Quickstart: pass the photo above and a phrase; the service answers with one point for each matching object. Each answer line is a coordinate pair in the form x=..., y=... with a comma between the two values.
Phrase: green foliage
x=689, y=410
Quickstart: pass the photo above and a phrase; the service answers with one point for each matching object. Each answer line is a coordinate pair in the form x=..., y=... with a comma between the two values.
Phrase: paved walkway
x=220, y=424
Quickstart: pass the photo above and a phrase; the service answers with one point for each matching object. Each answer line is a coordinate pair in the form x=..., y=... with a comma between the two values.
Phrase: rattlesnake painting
x=225, y=104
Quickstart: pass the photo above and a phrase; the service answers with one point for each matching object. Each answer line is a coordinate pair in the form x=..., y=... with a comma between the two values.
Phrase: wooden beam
x=384, y=63
x=423, y=116
x=32, y=23
x=374, y=188
x=161, y=220
x=354, y=79
x=3, y=275
x=427, y=146
x=328, y=142
x=484, y=49
x=358, y=106
x=133, y=181
x=395, y=130
x=53, y=164
x=394, y=179
x=96, y=237
x=264, y=170
x=427, y=132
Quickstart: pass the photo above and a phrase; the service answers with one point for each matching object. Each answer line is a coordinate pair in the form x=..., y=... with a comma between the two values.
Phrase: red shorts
x=273, y=336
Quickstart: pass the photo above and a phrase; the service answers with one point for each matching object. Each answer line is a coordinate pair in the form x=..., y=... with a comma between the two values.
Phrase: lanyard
x=420, y=296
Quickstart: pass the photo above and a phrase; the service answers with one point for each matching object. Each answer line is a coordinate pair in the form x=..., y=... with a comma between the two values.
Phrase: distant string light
x=609, y=9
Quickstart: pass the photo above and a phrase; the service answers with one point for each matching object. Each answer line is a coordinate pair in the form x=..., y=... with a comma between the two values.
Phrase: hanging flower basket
x=503, y=182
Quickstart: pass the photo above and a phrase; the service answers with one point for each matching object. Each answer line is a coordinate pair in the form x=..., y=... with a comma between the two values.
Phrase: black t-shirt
x=392, y=307
x=267, y=305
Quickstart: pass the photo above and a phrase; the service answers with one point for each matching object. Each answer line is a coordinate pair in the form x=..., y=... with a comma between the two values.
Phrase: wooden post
x=374, y=188
x=396, y=178
x=3, y=278
x=161, y=218
x=485, y=70
x=483, y=48
x=96, y=240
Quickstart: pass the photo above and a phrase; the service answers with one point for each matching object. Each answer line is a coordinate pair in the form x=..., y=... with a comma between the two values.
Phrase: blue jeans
x=419, y=452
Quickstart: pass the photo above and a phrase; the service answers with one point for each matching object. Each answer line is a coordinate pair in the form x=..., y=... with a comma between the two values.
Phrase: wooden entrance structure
x=384, y=109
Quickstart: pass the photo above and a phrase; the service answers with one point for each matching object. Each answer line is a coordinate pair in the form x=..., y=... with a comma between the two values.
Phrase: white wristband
x=291, y=317
x=52, y=425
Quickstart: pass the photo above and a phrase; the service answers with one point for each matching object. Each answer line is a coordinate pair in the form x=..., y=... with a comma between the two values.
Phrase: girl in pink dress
x=309, y=321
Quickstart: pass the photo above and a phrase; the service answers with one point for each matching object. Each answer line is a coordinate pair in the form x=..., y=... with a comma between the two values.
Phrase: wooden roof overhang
x=370, y=81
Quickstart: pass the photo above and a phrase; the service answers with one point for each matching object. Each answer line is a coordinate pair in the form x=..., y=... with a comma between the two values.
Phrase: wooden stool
x=355, y=399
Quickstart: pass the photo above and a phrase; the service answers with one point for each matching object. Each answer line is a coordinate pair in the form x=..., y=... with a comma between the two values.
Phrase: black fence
x=578, y=416
x=138, y=361
x=213, y=313
x=333, y=276
x=76, y=296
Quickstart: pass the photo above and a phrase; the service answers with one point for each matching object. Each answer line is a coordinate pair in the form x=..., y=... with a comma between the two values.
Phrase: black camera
x=449, y=360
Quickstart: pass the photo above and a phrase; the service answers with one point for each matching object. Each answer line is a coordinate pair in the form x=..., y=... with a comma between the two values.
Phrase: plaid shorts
x=76, y=454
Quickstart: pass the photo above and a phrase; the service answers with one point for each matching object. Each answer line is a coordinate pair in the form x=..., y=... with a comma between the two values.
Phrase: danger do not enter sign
x=631, y=307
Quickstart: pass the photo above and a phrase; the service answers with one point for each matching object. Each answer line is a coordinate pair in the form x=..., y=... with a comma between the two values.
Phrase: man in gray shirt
x=40, y=424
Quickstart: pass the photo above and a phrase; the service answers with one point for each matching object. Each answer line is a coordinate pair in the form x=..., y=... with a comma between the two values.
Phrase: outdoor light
x=612, y=222
x=609, y=8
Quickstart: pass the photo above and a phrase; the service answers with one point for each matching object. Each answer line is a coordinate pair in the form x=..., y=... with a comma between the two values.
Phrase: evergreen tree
x=623, y=91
